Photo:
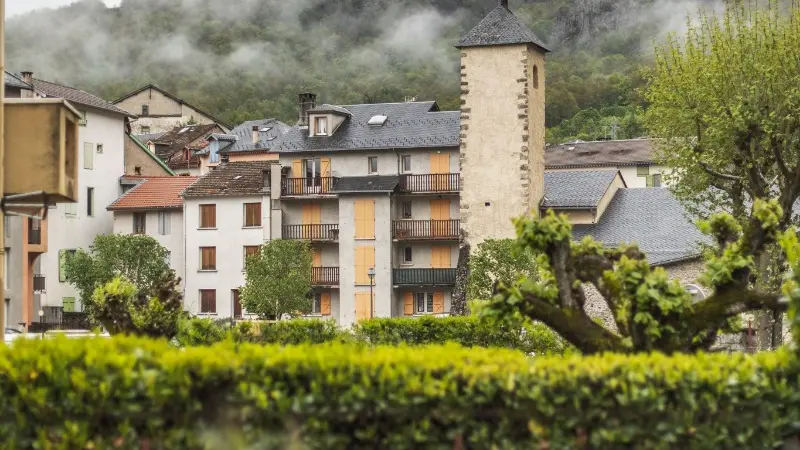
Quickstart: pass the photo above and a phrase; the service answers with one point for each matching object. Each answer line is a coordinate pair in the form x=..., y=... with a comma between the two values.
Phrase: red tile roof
x=154, y=193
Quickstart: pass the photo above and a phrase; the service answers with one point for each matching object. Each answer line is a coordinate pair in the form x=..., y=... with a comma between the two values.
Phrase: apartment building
x=226, y=218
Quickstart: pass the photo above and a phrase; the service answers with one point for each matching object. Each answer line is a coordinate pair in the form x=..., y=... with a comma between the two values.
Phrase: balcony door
x=237, y=304
x=440, y=257
x=440, y=218
x=312, y=218
x=440, y=168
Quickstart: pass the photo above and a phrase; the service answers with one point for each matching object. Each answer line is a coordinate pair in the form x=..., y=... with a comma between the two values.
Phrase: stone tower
x=502, y=125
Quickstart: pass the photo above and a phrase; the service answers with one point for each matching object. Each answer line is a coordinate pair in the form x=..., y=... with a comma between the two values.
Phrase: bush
x=132, y=393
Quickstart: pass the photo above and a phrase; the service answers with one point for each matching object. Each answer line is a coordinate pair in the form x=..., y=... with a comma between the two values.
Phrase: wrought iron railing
x=424, y=277
x=325, y=276
x=307, y=186
x=434, y=182
x=317, y=232
x=426, y=229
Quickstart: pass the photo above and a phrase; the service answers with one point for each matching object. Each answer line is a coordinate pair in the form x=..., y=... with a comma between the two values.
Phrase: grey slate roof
x=374, y=183
x=244, y=131
x=408, y=125
x=628, y=152
x=77, y=96
x=143, y=138
x=326, y=108
x=576, y=189
x=12, y=80
x=231, y=179
x=500, y=27
x=651, y=218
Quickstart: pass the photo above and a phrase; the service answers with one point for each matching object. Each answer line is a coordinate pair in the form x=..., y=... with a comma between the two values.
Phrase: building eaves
x=373, y=183
x=153, y=193
x=167, y=94
x=332, y=109
x=628, y=152
x=232, y=179
x=576, y=189
x=78, y=96
x=12, y=80
x=500, y=27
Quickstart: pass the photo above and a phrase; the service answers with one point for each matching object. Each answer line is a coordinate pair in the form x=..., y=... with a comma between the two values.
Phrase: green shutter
x=88, y=155
x=649, y=179
x=642, y=171
x=69, y=304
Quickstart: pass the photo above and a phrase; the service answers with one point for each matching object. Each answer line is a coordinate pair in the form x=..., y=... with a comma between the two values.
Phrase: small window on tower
x=536, y=77
x=145, y=110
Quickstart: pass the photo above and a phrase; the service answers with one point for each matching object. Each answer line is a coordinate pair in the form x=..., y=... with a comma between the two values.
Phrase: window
x=137, y=170
x=164, y=223
x=145, y=110
x=321, y=126
x=252, y=214
x=90, y=201
x=208, y=216
x=405, y=163
x=7, y=226
x=406, y=209
x=536, y=77
x=316, y=304
x=424, y=302
x=642, y=171
x=372, y=164
x=68, y=303
x=63, y=255
x=208, y=301
x=70, y=209
x=237, y=304
x=139, y=223
x=656, y=180
x=208, y=258
x=408, y=255
x=250, y=250
x=88, y=155
x=312, y=168
x=100, y=149
x=145, y=130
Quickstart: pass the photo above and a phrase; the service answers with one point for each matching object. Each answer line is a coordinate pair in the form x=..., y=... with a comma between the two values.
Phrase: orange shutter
x=297, y=168
x=365, y=219
x=365, y=258
x=440, y=209
x=317, y=257
x=325, y=304
x=358, y=212
x=438, y=302
x=362, y=306
x=326, y=172
x=440, y=257
x=408, y=303
x=440, y=163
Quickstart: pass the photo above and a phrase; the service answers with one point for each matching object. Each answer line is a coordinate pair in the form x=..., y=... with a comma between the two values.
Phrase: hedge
x=131, y=393
x=466, y=331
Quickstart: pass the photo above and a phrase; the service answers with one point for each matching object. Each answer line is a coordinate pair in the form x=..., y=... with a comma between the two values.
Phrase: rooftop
x=408, y=125
x=244, y=133
x=500, y=27
x=600, y=154
x=167, y=94
x=78, y=96
x=13, y=80
x=576, y=189
x=153, y=193
x=181, y=137
x=372, y=183
x=232, y=179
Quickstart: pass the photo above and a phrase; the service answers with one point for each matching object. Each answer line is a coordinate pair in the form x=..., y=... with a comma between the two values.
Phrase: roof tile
x=500, y=27
x=230, y=179
x=600, y=154
x=576, y=189
x=154, y=193
x=76, y=96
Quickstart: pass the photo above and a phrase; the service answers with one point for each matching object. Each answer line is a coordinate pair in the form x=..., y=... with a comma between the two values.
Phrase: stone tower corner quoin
x=502, y=125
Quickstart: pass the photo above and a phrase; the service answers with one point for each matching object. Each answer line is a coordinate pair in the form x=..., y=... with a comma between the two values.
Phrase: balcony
x=325, y=276
x=434, y=183
x=39, y=284
x=426, y=230
x=34, y=231
x=300, y=187
x=314, y=233
x=424, y=277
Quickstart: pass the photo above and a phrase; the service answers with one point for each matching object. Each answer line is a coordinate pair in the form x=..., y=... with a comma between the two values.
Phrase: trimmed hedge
x=466, y=331
x=133, y=393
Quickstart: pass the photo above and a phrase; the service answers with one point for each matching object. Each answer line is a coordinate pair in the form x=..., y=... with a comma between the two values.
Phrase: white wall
x=634, y=181
x=354, y=163
x=79, y=231
x=123, y=224
x=229, y=238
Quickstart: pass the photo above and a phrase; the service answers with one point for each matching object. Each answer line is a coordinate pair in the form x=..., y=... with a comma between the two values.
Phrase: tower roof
x=500, y=27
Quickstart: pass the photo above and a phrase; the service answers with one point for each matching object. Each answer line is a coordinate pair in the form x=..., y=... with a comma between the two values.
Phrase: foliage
x=650, y=311
x=120, y=307
x=278, y=280
x=139, y=259
x=131, y=393
x=497, y=260
x=791, y=285
x=613, y=122
x=194, y=331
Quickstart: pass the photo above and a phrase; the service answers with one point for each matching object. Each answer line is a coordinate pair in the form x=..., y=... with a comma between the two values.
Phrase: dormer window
x=321, y=126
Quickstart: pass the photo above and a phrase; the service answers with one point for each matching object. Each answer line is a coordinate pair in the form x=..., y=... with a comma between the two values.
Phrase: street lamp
x=41, y=314
x=371, y=275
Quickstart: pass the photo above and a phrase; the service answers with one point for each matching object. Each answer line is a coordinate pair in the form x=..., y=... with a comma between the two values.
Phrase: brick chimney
x=255, y=138
x=27, y=76
x=307, y=101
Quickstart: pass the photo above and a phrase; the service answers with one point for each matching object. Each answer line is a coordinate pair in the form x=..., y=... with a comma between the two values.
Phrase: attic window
x=321, y=126
x=265, y=129
x=237, y=177
x=377, y=121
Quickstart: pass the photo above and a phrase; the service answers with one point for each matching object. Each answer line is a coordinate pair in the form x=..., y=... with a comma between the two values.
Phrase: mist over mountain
x=245, y=59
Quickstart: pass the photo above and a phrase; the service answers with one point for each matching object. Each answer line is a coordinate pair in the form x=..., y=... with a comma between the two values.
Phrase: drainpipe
x=2, y=167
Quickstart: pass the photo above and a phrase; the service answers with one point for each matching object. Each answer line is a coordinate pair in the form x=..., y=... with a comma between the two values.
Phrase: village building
x=159, y=111
x=179, y=147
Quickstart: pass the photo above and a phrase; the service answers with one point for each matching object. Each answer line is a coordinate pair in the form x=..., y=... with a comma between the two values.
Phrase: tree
x=724, y=104
x=139, y=259
x=122, y=308
x=651, y=313
x=278, y=280
x=498, y=261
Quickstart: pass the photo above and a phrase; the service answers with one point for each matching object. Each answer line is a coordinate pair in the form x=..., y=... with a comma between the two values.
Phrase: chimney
x=504, y=3
x=27, y=76
x=255, y=138
x=307, y=101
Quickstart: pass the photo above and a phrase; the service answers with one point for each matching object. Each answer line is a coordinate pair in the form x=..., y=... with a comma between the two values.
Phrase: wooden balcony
x=426, y=230
x=313, y=233
x=431, y=183
x=325, y=276
x=424, y=277
x=301, y=187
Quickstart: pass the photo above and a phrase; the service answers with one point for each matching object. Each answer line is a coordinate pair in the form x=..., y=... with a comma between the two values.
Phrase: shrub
x=131, y=393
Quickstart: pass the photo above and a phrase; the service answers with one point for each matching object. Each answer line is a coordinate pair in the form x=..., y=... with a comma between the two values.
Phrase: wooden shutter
x=365, y=219
x=208, y=216
x=237, y=304
x=440, y=209
x=325, y=304
x=365, y=258
x=438, y=302
x=440, y=163
x=208, y=301
x=252, y=214
x=297, y=168
x=208, y=258
x=325, y=164
x=88, y=155
x=408, y=303
x=362, y=306
x=312, y=214
x=317, y=254
x=440, y=257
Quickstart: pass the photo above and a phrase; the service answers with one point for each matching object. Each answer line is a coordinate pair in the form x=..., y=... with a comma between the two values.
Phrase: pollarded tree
x=498, y=261
x=651, y=312
x=278, y=280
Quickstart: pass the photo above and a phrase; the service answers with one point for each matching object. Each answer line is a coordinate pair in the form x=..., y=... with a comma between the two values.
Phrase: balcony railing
x=318, y=232
x=425, y=229
x=424, y=277
x=435, y=182
x=34, y=231
x=325, y=276
x=39, y=284
x=307, y=186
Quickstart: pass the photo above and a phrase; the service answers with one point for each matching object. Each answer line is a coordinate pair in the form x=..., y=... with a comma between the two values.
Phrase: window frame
x=320, y=120
x=164, y=223
x=370, y=160
x=257, y=205
x=427, y=299
x=145, y=110
x=89, y=201
x=203, y=301
x=406, y=210
x=403, y=167
x=246, y=255
x=213, y=266
x=145, y=129
x=143, y=216
x=642, y=170
x=316, y=304
x=201, y=208
x=408, y=255
x=99, y=149
x=88, y=156
x=657, y=180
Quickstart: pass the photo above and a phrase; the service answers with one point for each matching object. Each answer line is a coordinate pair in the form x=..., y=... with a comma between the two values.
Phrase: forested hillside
x=245, y=59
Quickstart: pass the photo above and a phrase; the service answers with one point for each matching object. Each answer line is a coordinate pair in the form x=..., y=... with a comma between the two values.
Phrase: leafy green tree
x=498, y=261
x=650, y=311
x=139, y=259
x=278, y=280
